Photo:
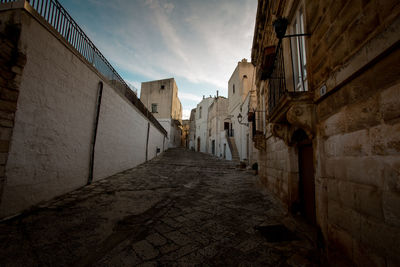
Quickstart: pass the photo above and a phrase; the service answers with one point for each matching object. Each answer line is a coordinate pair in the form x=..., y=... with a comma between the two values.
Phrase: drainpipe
x=147, y=140
x=96, y=122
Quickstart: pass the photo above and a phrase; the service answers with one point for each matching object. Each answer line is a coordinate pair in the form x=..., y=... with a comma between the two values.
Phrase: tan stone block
x=336, y=168
x=346, y=193
x=391, y=208
x=365, y=170
x=312, y=20
x=356, y=143
x=334, y=9
x=7, y=94
x=362, y=27
x=324, y=109
x=366, y=257
x=3, y=158
x=4, y=145
x=388, y=9
x=8, y=106
x=6, y=123
x=390, y=103
x=363, y=114
x=380, y=238
x=349, y=13
x=339, y=50
x=385, y=139
x=5, y=133
x=339, y=243
x=391, y=174
x=320, y=30
x=332, y=188
x=335, y=124
x=368, y=200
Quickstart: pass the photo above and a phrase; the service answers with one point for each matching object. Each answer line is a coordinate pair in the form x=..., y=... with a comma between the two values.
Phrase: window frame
x=298, y=50
x=154, y=110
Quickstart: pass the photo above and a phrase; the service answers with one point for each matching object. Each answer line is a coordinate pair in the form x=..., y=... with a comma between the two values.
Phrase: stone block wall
x=358, y=173
x=340, y=29
x=12, y=63
x=48, y=109
x=278, y=170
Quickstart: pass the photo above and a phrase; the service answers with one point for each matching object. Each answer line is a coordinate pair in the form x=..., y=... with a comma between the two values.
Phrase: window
x=162, y=86
x=299, y=61
x=200, y=113
x=233, y=89
x=154, y=108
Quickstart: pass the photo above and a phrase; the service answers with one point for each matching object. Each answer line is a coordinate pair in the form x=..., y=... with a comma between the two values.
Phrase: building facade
x=328, y=120
x=161, y=98
x=192, y=129
x=240, y=84
x=201, y=142
x=217, y=126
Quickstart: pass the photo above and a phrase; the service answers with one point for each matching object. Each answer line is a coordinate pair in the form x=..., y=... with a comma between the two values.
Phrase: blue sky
x=198, y=42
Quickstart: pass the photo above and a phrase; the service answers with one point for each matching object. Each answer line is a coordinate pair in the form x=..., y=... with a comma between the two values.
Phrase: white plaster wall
x=228, y=154
x=201, y=123
x=173, y=132
x=50, y=147
x=121, y=135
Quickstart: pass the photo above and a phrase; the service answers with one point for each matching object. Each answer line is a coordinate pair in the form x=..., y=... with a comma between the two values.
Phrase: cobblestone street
x=182, y=208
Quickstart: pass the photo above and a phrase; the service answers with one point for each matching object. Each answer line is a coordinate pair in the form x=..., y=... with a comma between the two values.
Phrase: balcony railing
x=277, y=81
x=65, y=25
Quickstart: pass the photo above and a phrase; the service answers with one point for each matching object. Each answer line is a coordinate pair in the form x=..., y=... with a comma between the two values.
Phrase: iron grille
x=65, y=25
x=277, y=82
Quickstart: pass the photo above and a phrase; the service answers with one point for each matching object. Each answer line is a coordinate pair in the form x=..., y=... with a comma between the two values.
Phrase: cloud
x=195, y=41
x=189, y=96
x=186, y=114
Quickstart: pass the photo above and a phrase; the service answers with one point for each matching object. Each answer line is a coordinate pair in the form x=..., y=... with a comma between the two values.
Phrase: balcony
x=290, y=105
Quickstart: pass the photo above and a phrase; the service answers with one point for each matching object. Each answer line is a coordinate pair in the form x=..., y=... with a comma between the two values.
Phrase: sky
x=197, y=42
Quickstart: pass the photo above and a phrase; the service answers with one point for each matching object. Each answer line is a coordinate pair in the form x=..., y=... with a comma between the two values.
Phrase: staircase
x=233, y=148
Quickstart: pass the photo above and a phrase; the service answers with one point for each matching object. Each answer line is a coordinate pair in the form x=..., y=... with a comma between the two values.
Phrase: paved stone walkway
x=182, y=208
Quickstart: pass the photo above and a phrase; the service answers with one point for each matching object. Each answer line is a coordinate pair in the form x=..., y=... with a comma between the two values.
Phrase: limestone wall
x=358, y=194
x=353, y=52
x=49, y=152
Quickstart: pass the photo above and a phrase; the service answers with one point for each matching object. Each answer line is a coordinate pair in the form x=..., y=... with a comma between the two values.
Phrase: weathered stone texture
x=12, y=63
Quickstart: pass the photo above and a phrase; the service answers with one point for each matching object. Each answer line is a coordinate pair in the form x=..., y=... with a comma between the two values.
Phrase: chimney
x=217, y=93
x=204, y=96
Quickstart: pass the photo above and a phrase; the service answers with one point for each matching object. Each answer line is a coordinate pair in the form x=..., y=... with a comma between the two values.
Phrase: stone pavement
x=182, y=209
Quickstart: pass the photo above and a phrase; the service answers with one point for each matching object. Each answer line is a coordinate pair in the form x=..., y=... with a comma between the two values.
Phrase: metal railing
x=53, y=12
x=277, y=82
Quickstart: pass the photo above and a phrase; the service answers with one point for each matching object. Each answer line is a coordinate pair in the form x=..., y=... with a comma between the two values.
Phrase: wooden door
x=307, y=184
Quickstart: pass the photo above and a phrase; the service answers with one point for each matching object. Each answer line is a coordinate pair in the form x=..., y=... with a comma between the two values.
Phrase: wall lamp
x=240, y=118
x=280, y=26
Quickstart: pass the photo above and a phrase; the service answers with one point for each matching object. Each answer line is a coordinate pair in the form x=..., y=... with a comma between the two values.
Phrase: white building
x=161, y=98
x=217, y=136
x=201, y=124
x=239, y=86
x=192, y=129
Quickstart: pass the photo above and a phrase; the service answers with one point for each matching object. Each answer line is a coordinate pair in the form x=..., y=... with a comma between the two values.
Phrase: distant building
x=161, y=98
x=239, y=86
x=185, y=133
x=192, y=129
x=217, y=136
x=201, y=124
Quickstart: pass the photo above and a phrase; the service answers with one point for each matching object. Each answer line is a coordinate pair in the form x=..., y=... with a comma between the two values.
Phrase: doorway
x=213, y=147
x=198, y=144
x=306, y=181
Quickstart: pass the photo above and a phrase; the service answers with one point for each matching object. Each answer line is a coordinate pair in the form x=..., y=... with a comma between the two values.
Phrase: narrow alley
x=181, y=208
